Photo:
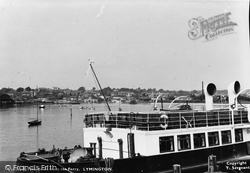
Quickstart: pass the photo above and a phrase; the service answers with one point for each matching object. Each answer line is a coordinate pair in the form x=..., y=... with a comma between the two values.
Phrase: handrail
x=175, y=100
x=156, y=100
x=176, y=120
x=235, y=101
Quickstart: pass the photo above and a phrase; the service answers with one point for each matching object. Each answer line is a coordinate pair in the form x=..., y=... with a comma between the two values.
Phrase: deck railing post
x=104, y=118
x=229, y=115
x=218, y=117
x=206, y=120
x=116, y=121
x=176, y=168
x=233, y=129
x=180, y=119
x=241, y=117
x=194, y=119
x=148, y=121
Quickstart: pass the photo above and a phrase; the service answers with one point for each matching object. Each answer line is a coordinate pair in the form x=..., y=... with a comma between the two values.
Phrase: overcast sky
x=133, y=44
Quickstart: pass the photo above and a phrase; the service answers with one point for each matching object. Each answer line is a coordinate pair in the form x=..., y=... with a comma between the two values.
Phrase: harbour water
x=58, y=127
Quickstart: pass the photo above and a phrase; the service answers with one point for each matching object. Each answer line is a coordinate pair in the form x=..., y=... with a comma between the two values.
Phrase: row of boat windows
x=199, y=140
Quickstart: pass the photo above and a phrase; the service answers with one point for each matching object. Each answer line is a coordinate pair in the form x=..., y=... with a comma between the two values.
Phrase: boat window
x=199, y=140
x=213, y=138
x=166, y=144
x=238, y=135
x=226, y=136
x=183, y=142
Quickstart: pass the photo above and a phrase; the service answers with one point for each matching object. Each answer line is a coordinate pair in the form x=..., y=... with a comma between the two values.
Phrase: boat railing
x=165, y=120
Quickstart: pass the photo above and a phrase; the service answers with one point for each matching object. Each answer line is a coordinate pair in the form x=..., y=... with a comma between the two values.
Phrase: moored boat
x=77, y=159
x=34, y=122
x=41, y=106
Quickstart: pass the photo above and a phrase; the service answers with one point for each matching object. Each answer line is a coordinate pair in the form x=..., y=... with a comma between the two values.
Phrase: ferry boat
x=154, y=141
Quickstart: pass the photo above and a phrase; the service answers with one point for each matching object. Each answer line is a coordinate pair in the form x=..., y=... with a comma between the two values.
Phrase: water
x=58, y=127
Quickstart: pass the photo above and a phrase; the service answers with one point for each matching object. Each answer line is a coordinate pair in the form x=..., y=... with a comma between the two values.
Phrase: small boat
x=62, y=105
x=91, y=108
x=42, y=106
x=35, y=121
x=62, y=160
x=133, y=102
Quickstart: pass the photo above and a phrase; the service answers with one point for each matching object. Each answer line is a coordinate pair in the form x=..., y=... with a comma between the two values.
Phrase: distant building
x=6, y=101
x=56, y=88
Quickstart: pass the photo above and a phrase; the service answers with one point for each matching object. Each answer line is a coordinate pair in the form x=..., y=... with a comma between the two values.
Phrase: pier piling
x=70, y=110
x=212, y=167
x=176, y=168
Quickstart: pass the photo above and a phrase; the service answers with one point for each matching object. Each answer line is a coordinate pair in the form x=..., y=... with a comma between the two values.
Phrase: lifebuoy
x=233, y=106
x=165, y=124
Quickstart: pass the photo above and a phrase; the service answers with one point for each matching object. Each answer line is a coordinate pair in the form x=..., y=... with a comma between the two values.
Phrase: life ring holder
x=165, y=117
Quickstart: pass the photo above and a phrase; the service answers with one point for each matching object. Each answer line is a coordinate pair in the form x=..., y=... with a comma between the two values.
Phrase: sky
x=144, y=44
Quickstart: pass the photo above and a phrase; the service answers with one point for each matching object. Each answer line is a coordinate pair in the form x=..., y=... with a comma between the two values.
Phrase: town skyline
x=97, y=88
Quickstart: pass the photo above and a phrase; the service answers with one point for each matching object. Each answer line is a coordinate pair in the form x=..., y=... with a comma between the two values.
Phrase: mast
x=202, y=92
x=99, y=86
x=37, y=103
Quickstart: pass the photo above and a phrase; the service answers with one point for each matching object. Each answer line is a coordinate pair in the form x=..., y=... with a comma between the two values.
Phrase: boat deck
x=166, y=120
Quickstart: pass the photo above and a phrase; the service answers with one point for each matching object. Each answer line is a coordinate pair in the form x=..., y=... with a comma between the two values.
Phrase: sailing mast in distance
x=90, y=64
x=202, y=92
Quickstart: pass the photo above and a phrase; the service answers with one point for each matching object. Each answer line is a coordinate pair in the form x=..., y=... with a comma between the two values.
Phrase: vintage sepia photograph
x=123, y=86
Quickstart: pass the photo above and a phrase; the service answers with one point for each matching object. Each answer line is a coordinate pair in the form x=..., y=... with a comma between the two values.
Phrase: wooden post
x=131, y=145
x=120, y=142
x=212, y=167
x=71, y=110
x=176, y=168
x=100, y=146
